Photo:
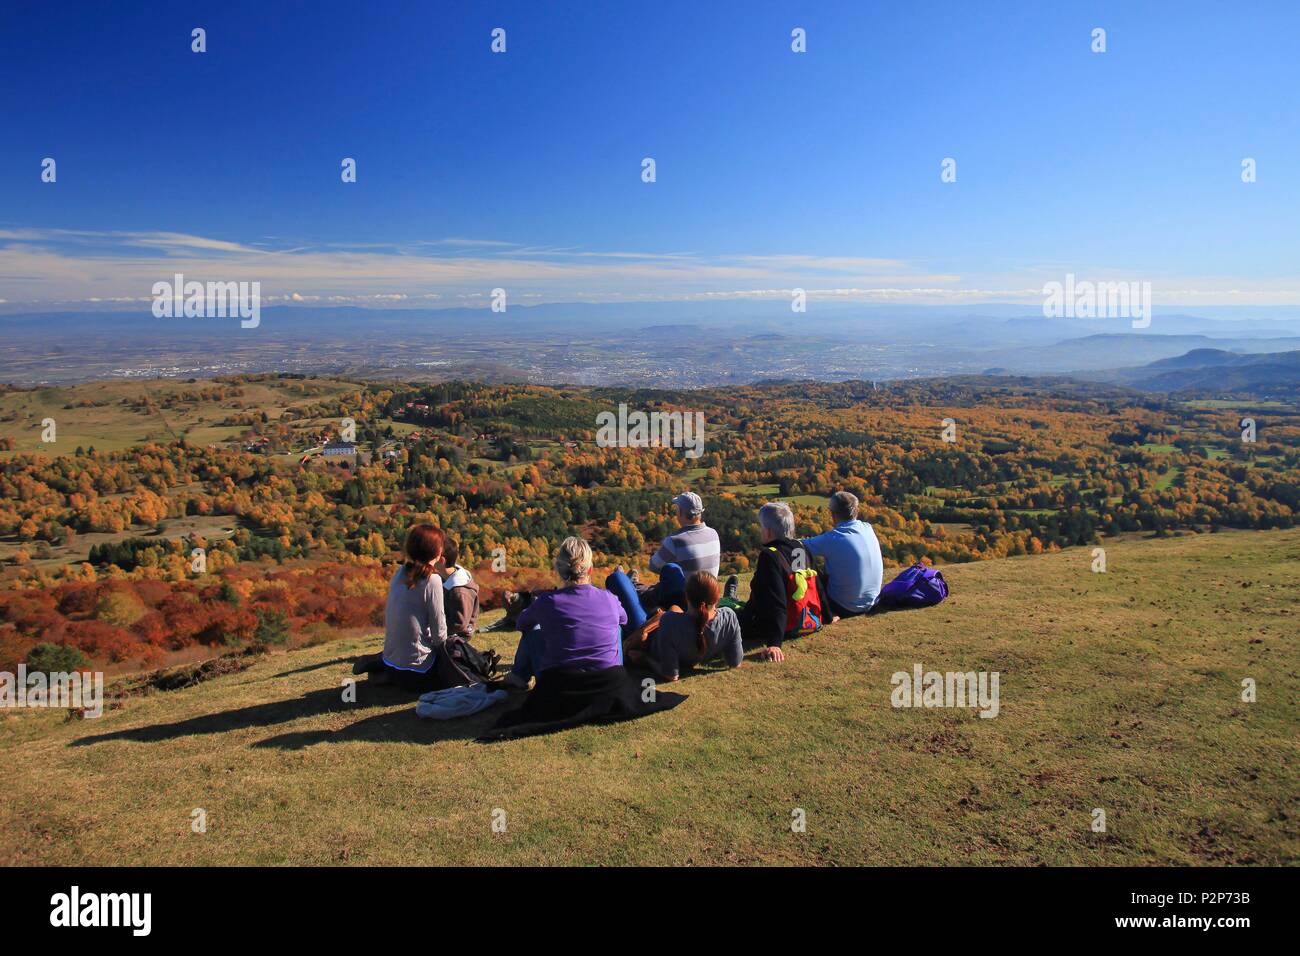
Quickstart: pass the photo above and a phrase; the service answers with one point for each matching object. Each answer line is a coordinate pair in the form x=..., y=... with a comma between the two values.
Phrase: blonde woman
x=571, y=645
x=575, y=628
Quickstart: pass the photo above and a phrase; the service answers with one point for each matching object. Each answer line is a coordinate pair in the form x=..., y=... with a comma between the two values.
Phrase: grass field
x=765, y=491
x=1119, y=691
x=210, y=527
x=111, y=426
x=1166, y=481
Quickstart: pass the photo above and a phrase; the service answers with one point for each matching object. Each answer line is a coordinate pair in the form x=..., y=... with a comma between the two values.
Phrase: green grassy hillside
x=1119, y=691
x=110, y=415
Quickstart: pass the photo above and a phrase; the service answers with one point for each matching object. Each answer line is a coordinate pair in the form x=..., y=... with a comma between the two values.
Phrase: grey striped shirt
x=695, y=547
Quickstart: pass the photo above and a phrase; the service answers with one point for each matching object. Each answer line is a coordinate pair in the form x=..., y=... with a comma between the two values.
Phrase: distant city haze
x=670, y=345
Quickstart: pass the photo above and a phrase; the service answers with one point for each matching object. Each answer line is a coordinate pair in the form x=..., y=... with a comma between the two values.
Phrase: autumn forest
x=143, y=523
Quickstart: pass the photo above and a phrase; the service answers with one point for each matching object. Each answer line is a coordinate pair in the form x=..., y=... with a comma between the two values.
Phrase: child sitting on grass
x=461, y=592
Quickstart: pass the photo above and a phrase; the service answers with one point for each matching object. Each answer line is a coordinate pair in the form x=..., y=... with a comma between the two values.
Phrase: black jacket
x=763, y=618
x=563, y=699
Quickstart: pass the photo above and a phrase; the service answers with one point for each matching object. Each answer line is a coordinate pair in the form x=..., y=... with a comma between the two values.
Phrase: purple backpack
x=918, y=586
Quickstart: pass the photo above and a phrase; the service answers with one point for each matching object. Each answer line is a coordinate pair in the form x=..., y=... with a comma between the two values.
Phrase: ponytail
x=702, y=596
x=701, y=626
x=423, y=549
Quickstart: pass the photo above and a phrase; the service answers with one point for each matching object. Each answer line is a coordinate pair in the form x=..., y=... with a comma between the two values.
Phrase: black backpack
x=460, y=663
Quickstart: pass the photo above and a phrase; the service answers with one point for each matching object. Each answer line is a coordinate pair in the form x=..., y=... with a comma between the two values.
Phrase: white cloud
x=43, y=267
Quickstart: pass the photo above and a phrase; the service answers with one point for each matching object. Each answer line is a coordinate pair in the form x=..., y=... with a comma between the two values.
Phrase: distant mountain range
x=1124, y=350
x=1214, y=371
x=655, y=344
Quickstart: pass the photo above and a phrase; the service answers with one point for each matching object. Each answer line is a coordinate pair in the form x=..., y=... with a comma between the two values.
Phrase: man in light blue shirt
x=854, y=567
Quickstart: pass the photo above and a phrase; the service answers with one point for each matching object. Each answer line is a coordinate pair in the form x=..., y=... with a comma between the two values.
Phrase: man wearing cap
x=694, y=546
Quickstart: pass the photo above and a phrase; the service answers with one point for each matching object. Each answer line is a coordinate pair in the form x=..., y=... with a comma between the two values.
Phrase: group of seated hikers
x=576, y=639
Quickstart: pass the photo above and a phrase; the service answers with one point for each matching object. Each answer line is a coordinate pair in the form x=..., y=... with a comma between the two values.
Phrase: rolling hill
x=1270, y=374
x=1119, y=691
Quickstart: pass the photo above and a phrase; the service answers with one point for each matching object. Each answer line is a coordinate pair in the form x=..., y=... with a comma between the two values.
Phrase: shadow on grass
x=400, y=727
x=334, y=662
x=389, y=727
x=326, y=701
x=405, y=727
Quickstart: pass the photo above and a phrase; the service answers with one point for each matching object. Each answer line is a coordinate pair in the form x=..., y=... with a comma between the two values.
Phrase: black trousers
x=752, y=633
x=563, y=699
x=413, y=681
x=839, y=611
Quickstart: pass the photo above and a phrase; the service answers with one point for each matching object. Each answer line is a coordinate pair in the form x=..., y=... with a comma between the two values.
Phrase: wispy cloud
x=49, y=267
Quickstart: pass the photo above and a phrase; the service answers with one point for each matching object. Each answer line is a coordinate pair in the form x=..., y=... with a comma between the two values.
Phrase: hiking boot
x=635, y=577
x=515, y=602
x=732, y=588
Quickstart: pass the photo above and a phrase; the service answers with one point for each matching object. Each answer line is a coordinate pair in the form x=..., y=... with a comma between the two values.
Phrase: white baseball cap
x=690, y=502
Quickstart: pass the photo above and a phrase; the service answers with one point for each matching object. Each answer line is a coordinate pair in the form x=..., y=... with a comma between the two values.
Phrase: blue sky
x=774, y=169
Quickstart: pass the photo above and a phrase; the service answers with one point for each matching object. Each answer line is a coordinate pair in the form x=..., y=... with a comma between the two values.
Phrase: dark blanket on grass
x=563, y=699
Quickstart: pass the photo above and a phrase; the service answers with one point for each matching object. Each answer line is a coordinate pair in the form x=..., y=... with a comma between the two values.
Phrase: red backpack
x=803, y=603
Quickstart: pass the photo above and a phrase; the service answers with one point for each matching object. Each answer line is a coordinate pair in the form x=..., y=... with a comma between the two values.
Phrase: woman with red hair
x=415, y=625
